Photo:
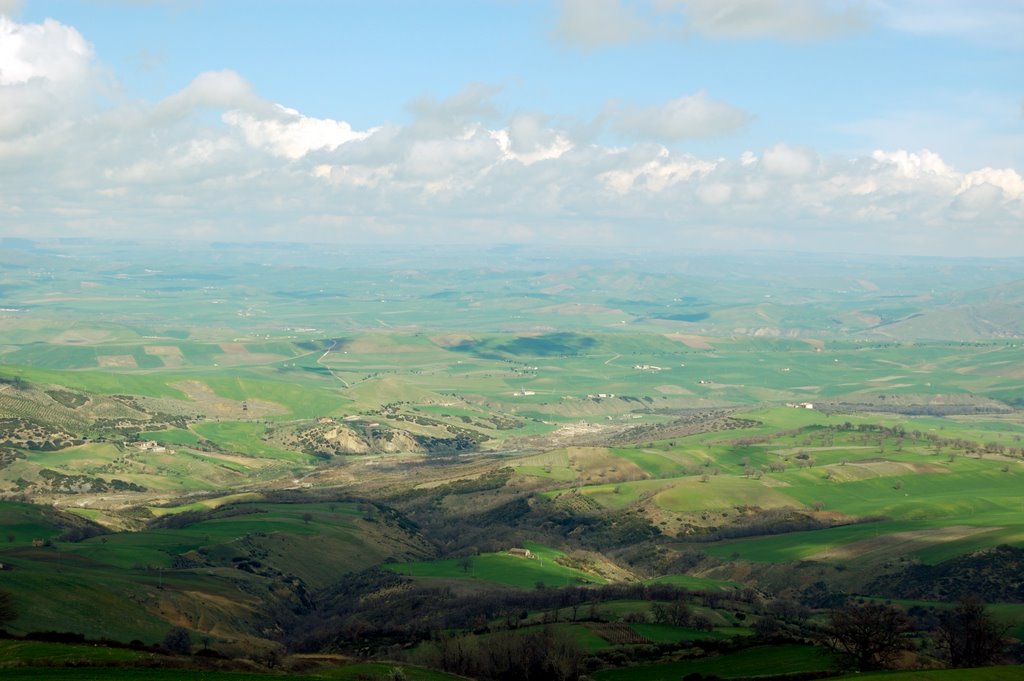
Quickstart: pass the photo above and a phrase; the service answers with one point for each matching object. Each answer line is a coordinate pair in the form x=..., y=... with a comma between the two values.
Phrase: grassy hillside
x=204, y=571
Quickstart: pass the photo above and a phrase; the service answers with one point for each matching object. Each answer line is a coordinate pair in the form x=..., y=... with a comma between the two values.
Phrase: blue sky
x=831, y=125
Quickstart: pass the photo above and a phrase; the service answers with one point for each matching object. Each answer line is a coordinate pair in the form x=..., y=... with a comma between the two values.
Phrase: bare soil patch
x=867, y=318
x=170, y=355
x=238, y=359
x=579, y=308
x=451, y=340
x=617, y=633
x=673, y=390
x=691, y=341
x=369, y=346
x=80, y=337
x=117, y=362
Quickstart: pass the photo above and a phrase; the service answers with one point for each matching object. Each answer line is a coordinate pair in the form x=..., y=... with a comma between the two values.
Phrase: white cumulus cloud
x=788, y=161
x=783, y=19
x=45, y=70
x=589, y=24
x=914, y=165
x=654, y=175
x=292, y=135
x=689, y=116
x=213, y=90
x=1007, y=180
x=527, y=140
x=49, y=51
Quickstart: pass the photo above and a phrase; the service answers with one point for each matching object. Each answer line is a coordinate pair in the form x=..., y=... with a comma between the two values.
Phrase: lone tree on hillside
x=178, y=641
x=969, y=636
x=8, y=611
x=872, y=635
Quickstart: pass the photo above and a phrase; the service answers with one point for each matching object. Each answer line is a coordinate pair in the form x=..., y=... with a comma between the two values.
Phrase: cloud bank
x=215, y=160
x=593, y=24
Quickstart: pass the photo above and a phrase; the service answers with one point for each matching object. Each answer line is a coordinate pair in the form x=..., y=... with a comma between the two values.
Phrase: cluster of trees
x=8, y=611
x=548, y=655
x=827, y=436
x=769, y=522
x=933, y=439
x=875, y=635
x=517, y=518
x=969, y=636
x=872, y=635
x=398, y=611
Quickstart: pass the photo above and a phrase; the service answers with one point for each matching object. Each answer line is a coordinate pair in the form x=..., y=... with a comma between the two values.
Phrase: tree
x=767, y=626
x=819, y=595
x=872, y=635
x=464, y=562
x=8, y=611
x=788, y=610
x=675, y=612
x=178, y=640
x=969, y=636
x=702, y=623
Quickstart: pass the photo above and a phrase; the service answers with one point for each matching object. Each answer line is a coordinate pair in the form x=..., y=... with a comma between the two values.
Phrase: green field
x=28, y=653
x=504, y=568
x=657, y=465
x=245, y=438
x=372, y=671
x=667, y=633
x=355, y=672
x=172, y=436
x=982, y=674
x=782, y=659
